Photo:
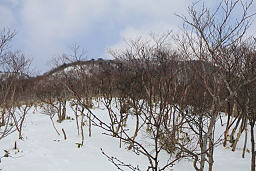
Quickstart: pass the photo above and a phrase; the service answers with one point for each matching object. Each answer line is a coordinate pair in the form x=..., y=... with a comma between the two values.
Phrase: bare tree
x=207, y=37
x=16, y=68
x=128, y=85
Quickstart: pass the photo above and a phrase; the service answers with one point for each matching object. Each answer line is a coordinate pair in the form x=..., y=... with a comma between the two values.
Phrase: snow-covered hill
x=43, y=150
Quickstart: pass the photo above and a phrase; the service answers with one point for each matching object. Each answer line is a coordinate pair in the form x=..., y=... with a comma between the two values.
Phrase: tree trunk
x=90, y=124
x=245, y=140
x=54, y=126
x=226, y=131
x=253, y=146
x=82, y=125
x=203, y=153
x=59, y=112
x=211, y=148
x=3, y=121
x=63, y=116
x=76, y=115
x=135, y=132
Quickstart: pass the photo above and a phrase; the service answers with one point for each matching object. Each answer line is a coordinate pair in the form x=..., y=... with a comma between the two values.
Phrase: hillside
x=42, y=149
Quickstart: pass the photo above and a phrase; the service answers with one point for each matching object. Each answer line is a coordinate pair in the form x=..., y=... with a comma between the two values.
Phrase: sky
x=48, y=28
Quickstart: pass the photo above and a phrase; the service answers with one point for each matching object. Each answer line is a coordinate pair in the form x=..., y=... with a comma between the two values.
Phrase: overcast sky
x=47, y=28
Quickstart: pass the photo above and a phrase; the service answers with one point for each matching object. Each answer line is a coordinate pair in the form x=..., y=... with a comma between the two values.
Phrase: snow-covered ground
x=43, y=150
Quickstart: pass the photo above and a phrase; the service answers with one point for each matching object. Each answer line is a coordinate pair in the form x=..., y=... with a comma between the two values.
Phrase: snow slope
x=43, y=150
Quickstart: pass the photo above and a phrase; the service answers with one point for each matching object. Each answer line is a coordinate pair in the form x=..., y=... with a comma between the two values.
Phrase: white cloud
x=160, y=18
x=50, y=25
x=147, y=33
x=54, y=21
x=47, y=27
x=160, y=9
x=6, y=17
x=13, y=2
x=49, y=22
x=132, y=34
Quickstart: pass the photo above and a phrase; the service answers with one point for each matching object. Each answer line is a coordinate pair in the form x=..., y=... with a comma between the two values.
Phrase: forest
x=182, y=95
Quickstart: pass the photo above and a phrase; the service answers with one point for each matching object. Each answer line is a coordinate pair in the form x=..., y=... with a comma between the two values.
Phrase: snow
x=43, y=150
